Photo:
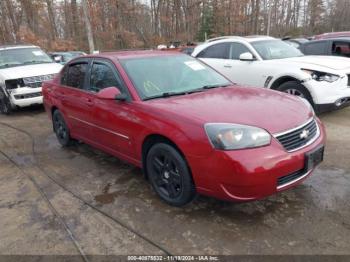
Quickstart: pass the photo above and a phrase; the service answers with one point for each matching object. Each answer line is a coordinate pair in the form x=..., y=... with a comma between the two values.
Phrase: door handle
x=228, y=66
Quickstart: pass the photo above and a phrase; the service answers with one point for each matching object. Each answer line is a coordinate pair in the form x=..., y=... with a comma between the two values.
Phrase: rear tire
x=61, y=129
x=296, y=89
x=5, y=104
x=169, y=175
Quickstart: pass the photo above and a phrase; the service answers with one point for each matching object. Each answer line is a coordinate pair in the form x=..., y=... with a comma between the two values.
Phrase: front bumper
x=251, y=174
x=26, y=96
x=339, y=104
x=325, y=94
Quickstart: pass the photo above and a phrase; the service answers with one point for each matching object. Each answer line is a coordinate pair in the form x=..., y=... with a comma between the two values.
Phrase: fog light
x=340, y=102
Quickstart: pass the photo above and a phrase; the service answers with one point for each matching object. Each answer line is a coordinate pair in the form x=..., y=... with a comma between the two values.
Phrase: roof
x=347, y=39
x=5, y=47
x=333, y=35
x=251, y=38
x=134, y=54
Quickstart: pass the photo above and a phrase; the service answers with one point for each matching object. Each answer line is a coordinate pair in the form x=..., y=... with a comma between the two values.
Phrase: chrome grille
x=299, y=137
x=36, y=81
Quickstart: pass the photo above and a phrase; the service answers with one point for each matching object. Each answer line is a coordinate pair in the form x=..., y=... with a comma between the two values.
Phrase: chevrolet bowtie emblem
x=305, y=134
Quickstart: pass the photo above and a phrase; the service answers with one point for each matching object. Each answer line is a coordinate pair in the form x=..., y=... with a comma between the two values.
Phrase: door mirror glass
x=110, y=93
x=58, y=59
x=246, y=57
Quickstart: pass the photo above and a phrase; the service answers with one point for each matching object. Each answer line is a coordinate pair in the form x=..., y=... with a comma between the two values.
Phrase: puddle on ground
x=107, y=198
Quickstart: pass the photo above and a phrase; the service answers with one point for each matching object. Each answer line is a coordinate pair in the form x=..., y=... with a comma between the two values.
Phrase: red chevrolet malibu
x=189, y=128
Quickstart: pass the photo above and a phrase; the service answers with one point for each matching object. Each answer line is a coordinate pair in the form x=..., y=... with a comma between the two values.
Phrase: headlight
x=14, y=83
x=321, y=76
x=233, y=137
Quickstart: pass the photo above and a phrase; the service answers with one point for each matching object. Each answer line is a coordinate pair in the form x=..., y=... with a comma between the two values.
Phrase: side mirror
x=57, y=59
x=246, y=57
x=111, y=93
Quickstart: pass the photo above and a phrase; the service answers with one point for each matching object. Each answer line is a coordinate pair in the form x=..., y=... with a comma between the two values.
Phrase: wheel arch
x=281, y=80
x=284, y=79
x=53, y=109
x=153, y=139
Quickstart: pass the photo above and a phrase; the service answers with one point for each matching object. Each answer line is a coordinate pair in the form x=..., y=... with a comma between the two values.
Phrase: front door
x=113, y=119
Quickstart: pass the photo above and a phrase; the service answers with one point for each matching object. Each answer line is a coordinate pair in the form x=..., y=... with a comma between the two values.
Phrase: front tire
x=61, y=129
x=169, y=175
x=296, y=89
x=5, y=104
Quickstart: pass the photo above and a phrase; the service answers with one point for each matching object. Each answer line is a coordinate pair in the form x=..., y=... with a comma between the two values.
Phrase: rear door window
x=318, y=48
x=74, y=75
x=219, y=51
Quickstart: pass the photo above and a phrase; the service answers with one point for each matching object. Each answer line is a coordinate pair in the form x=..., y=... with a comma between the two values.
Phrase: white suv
x=268, y=62
x=23, y=68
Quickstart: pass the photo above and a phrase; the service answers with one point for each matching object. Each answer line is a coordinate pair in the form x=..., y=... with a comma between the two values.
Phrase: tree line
x=123, y=24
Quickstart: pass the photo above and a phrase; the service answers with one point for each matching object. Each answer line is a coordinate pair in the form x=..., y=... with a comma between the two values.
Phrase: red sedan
x=188, y=127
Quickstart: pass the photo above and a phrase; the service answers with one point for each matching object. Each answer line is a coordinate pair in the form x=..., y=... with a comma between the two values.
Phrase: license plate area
x=314, y=158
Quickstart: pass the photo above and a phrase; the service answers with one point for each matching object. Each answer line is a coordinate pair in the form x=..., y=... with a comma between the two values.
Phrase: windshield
x=23, y=56
x=275, y=49
x=154, y=76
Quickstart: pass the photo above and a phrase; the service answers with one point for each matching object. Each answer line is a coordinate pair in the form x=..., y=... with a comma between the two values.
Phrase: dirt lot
x=66, y=201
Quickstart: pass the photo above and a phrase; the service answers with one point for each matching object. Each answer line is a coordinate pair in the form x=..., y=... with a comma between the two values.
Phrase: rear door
x=113, y=120
x=77, y=103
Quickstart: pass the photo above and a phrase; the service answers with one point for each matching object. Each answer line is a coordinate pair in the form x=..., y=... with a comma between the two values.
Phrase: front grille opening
x=36, y=81
x=285, y=180
x=348, y=80
x=25, y=96
x=300, y=137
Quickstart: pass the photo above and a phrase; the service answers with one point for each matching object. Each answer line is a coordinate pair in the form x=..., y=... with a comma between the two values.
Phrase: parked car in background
x=23, y=68
x=296, y=42
x=332, y=35
x=189, y=128
x=328, y=47
x=271, y=63
x=64, y=57
x=177, y=46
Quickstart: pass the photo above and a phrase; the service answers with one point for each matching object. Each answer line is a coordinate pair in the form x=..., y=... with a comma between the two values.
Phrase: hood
x=271, y=110
x=330, y=62
x=30, y=70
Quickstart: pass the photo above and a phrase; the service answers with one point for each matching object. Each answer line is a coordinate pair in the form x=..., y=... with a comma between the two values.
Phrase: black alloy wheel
x=296, y=89
x=61, y=129
x=169, y=175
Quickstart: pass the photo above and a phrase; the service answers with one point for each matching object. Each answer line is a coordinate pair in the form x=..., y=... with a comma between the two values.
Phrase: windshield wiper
x=9, y=65
x=36, y=62
x=214, y=86
x=165, y=95
x=169, y=94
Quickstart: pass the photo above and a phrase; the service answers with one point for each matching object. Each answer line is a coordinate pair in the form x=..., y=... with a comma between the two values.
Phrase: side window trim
x=243, y=45
x=123, y=88
x=66, y=71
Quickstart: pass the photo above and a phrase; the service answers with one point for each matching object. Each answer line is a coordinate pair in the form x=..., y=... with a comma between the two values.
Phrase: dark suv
x=328, y=47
